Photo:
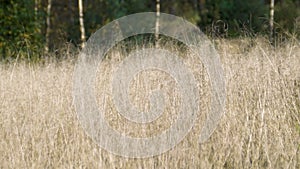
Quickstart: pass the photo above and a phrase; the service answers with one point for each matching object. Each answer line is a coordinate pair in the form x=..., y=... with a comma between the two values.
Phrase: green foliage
x=239, y=15
x=99, y=12
x=248, y=14
x=186, y=9
x=287, y=15
x=20, y=30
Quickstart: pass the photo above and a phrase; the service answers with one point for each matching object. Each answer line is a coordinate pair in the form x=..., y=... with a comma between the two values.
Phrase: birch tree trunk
x=36, y=8
x=157, y=23
x=81, y=22
x=271, y=20
x=48, y=25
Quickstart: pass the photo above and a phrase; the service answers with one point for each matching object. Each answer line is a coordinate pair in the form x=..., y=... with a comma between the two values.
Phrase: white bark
x=157, y=22
x=36, y=8
x=48, y=25
x=271, y=19
x=81, y=22
x=36, y=14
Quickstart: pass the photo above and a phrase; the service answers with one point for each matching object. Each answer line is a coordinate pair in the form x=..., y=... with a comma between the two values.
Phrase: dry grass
x=261, y=127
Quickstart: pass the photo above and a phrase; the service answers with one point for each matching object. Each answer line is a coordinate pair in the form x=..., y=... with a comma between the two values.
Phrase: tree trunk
x=157, y=22
x=81, y=22
x=36, y=8
x=272, y=21
x=48, y=25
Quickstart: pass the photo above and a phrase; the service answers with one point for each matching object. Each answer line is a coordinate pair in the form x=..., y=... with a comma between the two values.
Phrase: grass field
x=261, y=127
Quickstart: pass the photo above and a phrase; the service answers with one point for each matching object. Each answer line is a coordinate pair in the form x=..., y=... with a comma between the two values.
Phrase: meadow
x=260, y=128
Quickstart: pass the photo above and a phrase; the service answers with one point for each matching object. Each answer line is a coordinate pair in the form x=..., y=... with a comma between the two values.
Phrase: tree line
x=31, y=28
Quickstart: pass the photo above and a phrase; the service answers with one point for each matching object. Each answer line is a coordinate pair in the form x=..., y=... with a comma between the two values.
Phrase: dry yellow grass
x=261, y=127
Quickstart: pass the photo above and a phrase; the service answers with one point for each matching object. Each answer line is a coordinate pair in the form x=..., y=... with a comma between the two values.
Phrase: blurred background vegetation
x=32, y=28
